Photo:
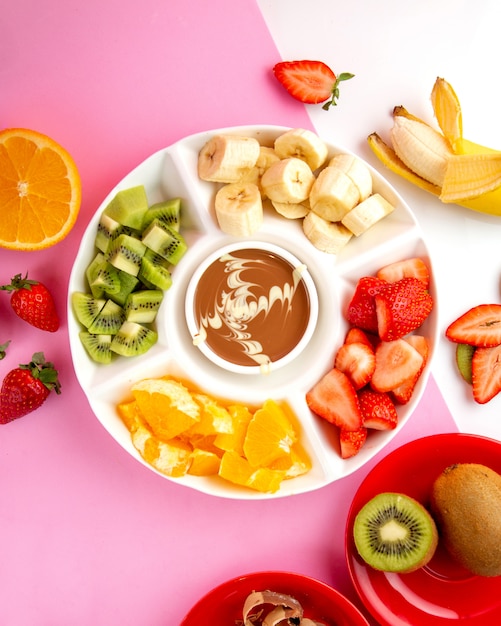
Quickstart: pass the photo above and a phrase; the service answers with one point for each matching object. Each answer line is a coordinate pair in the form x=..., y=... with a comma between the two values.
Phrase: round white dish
x=172, y=172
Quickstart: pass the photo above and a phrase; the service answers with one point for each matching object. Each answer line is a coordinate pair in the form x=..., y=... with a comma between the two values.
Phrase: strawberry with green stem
x=26, y=388
x=33, y=303
x=3, y=349
x=310, y=82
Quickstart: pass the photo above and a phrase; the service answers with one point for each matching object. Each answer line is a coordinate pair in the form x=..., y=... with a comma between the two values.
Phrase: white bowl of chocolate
x=251, y=307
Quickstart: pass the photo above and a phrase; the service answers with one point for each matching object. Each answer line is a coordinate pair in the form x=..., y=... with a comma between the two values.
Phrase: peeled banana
x=443, y=163
x=288, y=180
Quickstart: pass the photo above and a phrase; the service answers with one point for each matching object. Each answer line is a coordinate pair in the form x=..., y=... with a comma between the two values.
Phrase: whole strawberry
x=26, y=388
x=33, y=302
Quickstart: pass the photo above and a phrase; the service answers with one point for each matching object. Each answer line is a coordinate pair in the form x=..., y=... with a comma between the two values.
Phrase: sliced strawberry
x=397, y=362
x=402, y=307
x=378, y=410
x=351, y=441
x=335, y=399
x=362, y=307
x=414, y=267
x=480, y=326
x=310, y=82
x=403, y=393
x=357, y=361
x=357, y=335
x=486, y=373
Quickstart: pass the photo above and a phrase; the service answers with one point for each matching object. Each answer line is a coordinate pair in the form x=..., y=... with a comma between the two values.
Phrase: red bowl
x=223, y=605
x=441, y=593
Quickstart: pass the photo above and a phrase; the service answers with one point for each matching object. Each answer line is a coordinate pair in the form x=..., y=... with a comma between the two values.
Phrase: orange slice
x=204, y=463
x=40, y=190
x=270, y=435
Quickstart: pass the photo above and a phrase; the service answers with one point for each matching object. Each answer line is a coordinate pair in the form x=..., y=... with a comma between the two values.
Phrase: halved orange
x=40, y=190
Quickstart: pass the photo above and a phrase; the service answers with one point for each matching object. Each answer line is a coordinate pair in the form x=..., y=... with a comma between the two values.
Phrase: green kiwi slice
x=127, y=285
x=133, y=339
x=108, y=320
x=86, y=307
x=168, y=212
x=395, y=533
x=125, y=253
x=165, y=241
x=464, y=356
x=142, y=306
x=97, y=346
x=154, y=273
x=128, y=207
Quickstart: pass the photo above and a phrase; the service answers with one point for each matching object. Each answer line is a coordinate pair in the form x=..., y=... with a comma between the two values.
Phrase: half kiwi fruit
x=395, y=533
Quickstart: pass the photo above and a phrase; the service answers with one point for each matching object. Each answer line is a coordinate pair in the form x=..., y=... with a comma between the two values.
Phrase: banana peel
x=473, y=175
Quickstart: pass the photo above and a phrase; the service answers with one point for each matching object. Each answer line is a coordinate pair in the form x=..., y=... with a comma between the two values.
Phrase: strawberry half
x=361, y=310
x=414, y=267
x=357, y=361
x=350, y=441
x=486, y=373
x=310, y=82
x=401, y=307
x=397, y=362
x=480, y=326
x=378, y=410
x=334, y=399
x=403, y=393
x=26, y=388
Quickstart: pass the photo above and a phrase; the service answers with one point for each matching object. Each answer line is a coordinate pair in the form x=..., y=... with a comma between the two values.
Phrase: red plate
x=442, y=592
x=223, y=605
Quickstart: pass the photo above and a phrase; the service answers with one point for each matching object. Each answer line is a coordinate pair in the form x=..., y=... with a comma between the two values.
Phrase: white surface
x=396, y=50
x=172, y=172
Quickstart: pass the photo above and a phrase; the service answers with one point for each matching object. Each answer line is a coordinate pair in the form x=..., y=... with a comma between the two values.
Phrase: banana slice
x=367, y=213
x=291, y=211
x=227, y=158
x=288, y=180
x=326, y=236
x=357, y=170
x=267, y=156
x=302, y=144
x=239, y=209
x=333, y=194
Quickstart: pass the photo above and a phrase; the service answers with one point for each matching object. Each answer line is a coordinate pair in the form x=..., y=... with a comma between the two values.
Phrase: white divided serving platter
x=172, y=172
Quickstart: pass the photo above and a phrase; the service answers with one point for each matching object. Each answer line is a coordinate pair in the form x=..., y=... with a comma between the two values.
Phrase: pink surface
x=89, y=536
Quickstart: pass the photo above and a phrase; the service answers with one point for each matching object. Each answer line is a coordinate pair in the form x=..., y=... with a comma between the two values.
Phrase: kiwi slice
x=127, y=285
x=165, y=241
x=168, y=212
x=109, y=229
x=142, y=306
x=133, y=339
x=464, y=356
x=108, y=320
x=104, y=279
x=128, y=207
x=86, y=307
x=395, y=533
x=125, y=253
x=154, y=273
x=97, y=346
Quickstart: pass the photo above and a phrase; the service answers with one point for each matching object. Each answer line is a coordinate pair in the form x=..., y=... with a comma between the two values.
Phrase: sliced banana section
x=326, y=236
x=302, y=144
x=288, y=180
x=333, y=197
x=333, y=194
x=367, y=213
x=239, y=209
x=291, y=211
x=227, y=158
x=357, y=170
